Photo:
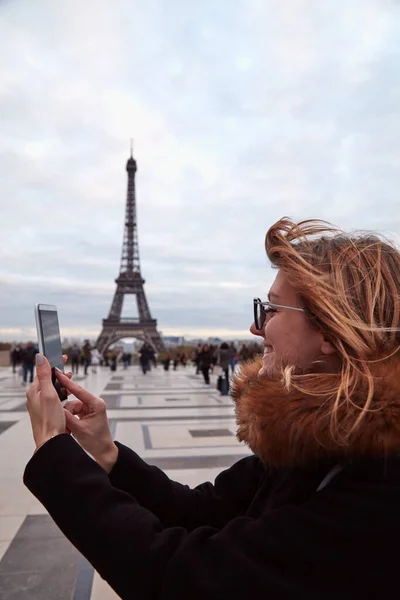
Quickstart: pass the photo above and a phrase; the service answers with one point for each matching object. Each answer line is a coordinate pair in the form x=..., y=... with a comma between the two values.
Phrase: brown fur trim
x=292, y=428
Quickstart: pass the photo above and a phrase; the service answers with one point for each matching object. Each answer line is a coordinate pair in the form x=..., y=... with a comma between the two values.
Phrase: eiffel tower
x=130, y=282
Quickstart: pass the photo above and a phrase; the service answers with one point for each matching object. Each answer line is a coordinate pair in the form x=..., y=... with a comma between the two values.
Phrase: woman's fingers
x=75, y=407
x=65, y=358
x=77, y=390
x=72, y=424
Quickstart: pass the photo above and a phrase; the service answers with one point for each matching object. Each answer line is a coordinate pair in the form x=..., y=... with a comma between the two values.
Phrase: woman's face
x=288, y=336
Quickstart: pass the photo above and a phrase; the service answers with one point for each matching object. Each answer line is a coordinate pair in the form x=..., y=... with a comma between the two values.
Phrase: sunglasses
x=262, y=309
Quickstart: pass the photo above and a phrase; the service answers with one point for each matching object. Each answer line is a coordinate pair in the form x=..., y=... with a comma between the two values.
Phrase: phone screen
x=50, y=342
x=52, y=350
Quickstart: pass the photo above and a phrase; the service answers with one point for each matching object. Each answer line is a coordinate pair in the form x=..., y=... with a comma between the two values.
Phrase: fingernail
x=39, y=360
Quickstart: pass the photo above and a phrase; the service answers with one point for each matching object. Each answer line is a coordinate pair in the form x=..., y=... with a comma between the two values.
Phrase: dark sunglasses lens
x=260, y=320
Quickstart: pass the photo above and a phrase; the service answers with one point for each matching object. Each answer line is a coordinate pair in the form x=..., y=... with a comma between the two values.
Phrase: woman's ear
x=327, y=348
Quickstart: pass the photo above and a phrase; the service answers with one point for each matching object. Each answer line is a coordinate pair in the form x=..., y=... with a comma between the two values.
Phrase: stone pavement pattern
x=172, y=419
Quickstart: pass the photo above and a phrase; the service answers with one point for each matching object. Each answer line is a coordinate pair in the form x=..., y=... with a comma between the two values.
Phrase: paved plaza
x=172, y=419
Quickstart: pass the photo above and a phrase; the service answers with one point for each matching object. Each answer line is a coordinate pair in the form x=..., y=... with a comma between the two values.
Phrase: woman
x=315, y=512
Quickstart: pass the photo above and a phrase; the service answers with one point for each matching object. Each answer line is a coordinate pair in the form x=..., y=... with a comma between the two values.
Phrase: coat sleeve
x=142, y=560
x=176, y=504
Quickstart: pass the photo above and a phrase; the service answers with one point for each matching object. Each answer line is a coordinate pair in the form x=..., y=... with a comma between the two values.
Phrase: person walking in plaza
x=145, y=354
x=223, y=360
x=113, y=360
x=74, y=355
x=125, y=360
x=28, y=362
x=234, y=356
x=244, y=353
x=177, y=360
x=167, y=361
x=205, y=360
x=87, y=356
x=15, y=356
x=95, y=359
x=197, y=358
x=313, y=512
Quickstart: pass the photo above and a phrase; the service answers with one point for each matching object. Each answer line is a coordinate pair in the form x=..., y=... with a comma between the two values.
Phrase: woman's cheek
x=271, y=330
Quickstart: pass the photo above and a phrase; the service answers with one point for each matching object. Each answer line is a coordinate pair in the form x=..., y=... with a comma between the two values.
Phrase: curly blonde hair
x=350, y=287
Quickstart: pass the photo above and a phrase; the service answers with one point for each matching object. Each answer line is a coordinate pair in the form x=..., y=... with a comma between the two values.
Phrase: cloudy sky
x=242, y=111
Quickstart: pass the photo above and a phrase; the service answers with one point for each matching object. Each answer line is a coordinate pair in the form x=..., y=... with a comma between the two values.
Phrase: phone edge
x=39, y=329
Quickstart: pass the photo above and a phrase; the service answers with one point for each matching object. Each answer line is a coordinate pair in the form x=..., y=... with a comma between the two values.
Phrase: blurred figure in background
x=15, y=357
x=125, y=360
x=28, y=362
x=234, y=356
x=177, y=360
x=74, y=355
x=244, y=353
x=166, y=362
x=197, y=359
x=87, y=355
x=145, y=354
x=95, y=359
x=205, y=362
x=224, y=359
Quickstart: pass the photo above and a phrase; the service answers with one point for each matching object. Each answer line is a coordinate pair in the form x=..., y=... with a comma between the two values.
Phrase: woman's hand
x=86, y=419
x=44, y=406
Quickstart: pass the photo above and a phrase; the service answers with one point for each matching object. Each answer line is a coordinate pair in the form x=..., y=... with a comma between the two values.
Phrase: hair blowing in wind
x=350, y=287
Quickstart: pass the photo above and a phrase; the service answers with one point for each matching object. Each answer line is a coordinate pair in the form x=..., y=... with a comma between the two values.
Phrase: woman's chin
x=267, y=369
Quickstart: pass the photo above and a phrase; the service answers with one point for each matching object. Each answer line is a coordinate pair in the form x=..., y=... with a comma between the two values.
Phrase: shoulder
x=362, y=492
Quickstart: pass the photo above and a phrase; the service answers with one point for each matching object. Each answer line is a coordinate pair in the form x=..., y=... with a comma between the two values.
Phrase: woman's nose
x=255, y=331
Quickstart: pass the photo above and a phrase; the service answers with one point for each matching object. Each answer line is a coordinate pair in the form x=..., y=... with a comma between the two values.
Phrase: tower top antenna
x=131, y=147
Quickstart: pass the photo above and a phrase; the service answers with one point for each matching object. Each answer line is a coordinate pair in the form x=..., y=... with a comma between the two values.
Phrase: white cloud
x=241, y=112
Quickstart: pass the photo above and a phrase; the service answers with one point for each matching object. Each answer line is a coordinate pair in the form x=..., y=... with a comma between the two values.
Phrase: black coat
x=205, y=358
x=256, y=533
x=28, y=356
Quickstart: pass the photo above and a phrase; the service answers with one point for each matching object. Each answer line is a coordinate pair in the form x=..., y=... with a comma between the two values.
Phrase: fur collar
x=292, y=429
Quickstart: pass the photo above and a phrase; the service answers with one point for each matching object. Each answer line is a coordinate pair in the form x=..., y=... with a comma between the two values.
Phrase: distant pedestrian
x=28, y=362
x=145, y=354
x=177, y=360
x=205, y=363
x=75, y=354
x=197, y=358
x=113, y=361
x=234, y=356
x=87, y=355
x=166, y=362
x=95, y=359
x=151, y=353
x=223, y=360
x=244, y=353
x=16, y=358
x=125, y=360
x=213, y=350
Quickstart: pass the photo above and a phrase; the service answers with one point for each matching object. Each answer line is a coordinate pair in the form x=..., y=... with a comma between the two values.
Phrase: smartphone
x=48, y=332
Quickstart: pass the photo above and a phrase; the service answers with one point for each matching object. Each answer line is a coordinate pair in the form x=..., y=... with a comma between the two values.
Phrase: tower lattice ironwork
x=130, y=282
